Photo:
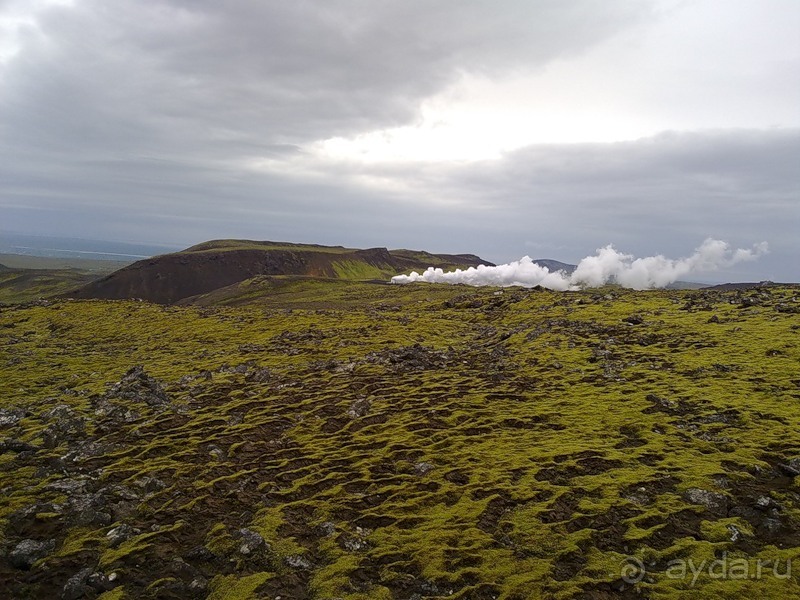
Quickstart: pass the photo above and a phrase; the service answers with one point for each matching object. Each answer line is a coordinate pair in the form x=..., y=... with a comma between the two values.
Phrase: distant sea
x=66, y=247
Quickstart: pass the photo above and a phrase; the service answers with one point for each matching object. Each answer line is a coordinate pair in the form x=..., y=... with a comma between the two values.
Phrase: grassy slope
x=27, y=278
x=231, y=245
x=286, y=292
x=345, y=268
x=551, y=461
x=24, y=285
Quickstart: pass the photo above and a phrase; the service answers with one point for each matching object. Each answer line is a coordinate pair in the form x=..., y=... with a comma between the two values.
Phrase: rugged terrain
x=302, y=438
x=212, y=265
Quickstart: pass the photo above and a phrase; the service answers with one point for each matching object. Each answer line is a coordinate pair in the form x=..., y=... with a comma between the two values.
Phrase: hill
x=217, y=264
x=23, y=285
x=747, y=285
x=555, y=265
x=24, y=278
x=359, y=441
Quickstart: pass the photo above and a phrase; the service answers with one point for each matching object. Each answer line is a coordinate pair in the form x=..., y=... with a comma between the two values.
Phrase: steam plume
x=607, y=266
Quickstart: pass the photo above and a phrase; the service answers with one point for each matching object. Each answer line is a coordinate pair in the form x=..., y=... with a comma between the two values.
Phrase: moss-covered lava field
x=338, y=440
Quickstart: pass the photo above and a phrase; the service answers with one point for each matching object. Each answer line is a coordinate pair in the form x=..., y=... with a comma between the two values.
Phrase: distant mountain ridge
x=555, y=265
x=200, y=269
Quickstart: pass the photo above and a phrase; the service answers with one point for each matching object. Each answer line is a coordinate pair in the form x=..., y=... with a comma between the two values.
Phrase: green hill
x=218, y=264
x=23, y=285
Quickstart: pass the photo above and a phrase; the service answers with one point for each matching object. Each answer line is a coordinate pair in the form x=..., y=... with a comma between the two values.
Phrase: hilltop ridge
x=216, y=264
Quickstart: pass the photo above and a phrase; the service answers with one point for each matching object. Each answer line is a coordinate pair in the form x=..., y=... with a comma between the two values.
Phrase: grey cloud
x=656, y=195
x=168, y=98
x=135, y=120
x=274, y=72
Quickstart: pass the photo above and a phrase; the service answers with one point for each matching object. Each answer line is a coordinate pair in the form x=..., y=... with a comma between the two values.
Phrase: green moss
x=135, y=545
x=561, y=439
x=231, y=587
x=351, y=269
x=80, y=539
x=117, y=593
x=268, y=523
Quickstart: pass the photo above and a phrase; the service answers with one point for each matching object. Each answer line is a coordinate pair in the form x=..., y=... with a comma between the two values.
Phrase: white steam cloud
x=607, y=266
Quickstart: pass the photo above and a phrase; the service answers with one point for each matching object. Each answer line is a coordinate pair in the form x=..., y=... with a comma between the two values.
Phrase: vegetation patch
x=330, y=439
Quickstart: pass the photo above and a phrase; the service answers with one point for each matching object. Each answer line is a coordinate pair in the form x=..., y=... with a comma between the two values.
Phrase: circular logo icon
x=632, y=570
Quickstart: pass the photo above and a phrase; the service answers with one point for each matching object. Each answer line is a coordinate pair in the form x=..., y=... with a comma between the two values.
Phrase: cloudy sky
x=504, y=128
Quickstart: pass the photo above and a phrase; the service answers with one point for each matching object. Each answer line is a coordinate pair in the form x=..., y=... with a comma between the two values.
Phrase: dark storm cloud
x=158, y=103
x=237, y=77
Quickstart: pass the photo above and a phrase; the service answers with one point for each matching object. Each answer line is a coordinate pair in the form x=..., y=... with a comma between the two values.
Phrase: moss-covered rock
x=366, y=441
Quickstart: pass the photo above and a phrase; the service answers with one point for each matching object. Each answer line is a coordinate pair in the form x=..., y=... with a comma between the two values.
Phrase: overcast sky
x=503, y=128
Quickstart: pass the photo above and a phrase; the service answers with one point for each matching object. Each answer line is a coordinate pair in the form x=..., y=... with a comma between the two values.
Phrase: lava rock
x=791, y=468
x=27, y=552
x=713, y=501
x=138, y=386
x=296, y=561
x=150, y=485
x=66, y=426
x=89, y=510
x=260, y=375
x=200, y=554
x=11, y=416
x=423, y=468
x=250, y=541
x=16, y=446
x=86, y=583
x=359, y=408
x=198, y=585
x=119, y=534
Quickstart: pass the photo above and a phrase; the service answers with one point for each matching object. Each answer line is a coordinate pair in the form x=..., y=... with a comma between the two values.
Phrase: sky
x=506, y=128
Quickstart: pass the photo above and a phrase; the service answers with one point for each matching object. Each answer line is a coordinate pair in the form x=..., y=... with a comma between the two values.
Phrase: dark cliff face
x=166, y=279
x=171, y=277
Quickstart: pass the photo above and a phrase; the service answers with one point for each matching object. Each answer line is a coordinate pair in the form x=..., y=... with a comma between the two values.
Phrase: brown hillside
x=212, y=265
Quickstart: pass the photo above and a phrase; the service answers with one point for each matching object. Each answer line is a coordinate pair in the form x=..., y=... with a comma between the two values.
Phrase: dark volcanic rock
x=791, y=467
x=11, y=416
x=65, y=426
x=359, y=408
x=411, y=358
x=89, y=510
x=119, y=534
x=86, y=583
x=17, y=446
x=713, y=501
x=250, y=541
x=28, y=552
x=138, y=386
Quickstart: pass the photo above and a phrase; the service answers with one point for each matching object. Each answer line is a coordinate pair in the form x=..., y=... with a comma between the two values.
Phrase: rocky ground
x=415, y=442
